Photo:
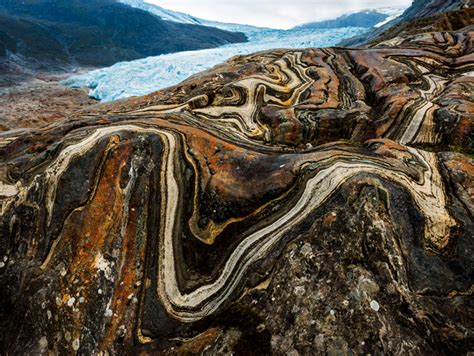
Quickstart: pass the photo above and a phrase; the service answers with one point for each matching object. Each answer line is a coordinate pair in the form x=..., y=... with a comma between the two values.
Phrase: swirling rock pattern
x=227, y=214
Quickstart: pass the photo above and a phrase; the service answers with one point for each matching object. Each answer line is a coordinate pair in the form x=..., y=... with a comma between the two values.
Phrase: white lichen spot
x=122, y=330
x=58, y=301
x=299, y=290
x=81, y=300
x=71, y=302
x=307, y=250
x=2, y=264
x=49, y=314
x=101, y=264
x=67, y=336
x=375, y=305
x=43, y=343
x=75, y=344
x=99, y=291
x=108, y=313
x=62, y=271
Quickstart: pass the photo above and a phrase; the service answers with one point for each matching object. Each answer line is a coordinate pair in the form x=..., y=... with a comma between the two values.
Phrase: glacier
x=146, y=75
x=392, y=13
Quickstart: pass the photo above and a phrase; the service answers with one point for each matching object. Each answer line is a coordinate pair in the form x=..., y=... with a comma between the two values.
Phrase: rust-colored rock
x=227, y=215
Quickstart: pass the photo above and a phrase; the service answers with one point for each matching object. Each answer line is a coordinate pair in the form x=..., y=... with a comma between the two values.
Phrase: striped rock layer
x=149, y=224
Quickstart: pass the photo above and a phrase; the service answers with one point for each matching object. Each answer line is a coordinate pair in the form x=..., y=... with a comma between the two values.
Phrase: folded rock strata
x=277, y=203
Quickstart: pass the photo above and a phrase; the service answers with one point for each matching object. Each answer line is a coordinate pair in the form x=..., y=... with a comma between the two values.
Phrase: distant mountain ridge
x=66, y=33
x=180, y=17
x=422, y=15
x=366, y=18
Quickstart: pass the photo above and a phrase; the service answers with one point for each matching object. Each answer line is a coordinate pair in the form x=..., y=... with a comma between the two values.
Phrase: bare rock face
x=279, y=203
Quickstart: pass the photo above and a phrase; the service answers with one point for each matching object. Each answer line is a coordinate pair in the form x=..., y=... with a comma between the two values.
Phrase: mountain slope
x=422, y=15
x=447, y=21
x=95, y=33
x=164, y=14
x=425, y=8
x=368, y=18
x=180, y=17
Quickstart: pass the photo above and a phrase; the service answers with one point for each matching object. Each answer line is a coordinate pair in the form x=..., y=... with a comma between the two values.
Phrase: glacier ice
x=143, y=76
x=392, y=12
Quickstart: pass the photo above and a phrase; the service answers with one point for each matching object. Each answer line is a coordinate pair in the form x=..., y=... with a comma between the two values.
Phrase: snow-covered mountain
x=146, y=75
x=181, y=17
x=165, y=14
x=365, y=18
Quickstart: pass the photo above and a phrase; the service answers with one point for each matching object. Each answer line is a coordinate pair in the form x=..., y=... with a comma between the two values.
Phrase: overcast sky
x=272, y=13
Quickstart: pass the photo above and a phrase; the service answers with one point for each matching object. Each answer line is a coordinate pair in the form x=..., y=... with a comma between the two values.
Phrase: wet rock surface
x=280, y=203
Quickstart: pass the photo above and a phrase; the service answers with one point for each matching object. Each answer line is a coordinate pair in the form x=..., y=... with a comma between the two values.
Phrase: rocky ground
x=315, y=201
x=277, y=204
x=36, y=102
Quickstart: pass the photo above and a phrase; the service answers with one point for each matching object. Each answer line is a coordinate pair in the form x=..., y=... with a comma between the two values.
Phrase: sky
x=273, y=13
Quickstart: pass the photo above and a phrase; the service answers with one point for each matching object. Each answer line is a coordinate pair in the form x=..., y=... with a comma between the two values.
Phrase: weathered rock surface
x=415, y=90
x=227, y=215
x=34, y=103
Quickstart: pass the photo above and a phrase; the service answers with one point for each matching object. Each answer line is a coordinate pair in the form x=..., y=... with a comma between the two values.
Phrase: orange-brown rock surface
x=279, y=203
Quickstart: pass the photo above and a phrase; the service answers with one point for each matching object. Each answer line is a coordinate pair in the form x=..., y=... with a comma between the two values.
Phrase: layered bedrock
x=316, y=200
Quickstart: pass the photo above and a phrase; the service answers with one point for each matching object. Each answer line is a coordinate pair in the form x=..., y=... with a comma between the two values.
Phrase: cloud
x=273, y=13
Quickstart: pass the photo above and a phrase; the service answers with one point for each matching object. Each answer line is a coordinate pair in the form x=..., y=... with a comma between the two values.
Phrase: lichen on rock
x=275, y=204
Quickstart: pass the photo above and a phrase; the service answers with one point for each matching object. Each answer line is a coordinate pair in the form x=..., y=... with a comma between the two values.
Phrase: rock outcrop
x=421, y=16
x=279, y=203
